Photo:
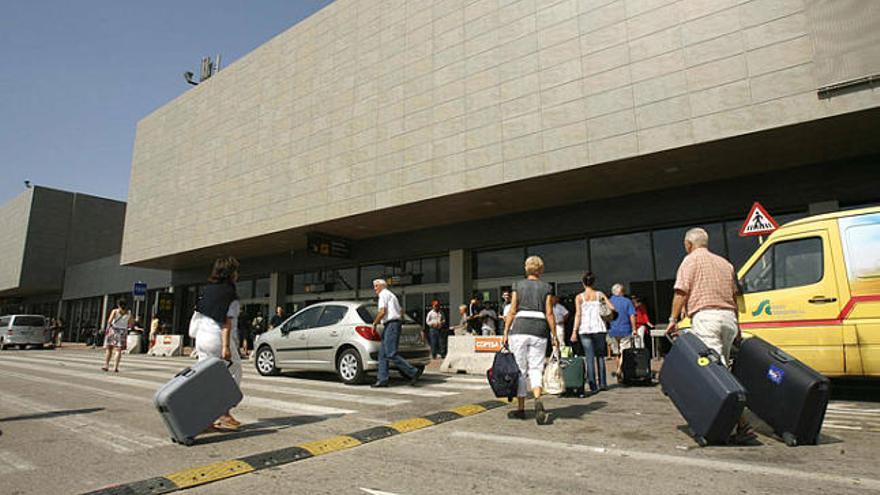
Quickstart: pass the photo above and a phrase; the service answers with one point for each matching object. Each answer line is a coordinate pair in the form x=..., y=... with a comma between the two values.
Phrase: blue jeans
x=594, y=357
x=436, y=338
x=388, y=352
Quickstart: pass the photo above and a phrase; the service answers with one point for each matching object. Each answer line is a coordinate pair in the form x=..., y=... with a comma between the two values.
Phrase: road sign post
x=139, y=291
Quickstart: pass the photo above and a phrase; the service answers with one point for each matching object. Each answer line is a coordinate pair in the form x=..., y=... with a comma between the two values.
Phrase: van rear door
x=860, y=236
x=792, y=300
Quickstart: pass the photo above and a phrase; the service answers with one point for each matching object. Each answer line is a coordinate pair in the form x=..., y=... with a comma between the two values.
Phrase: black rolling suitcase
x=785, y=393
x=703, y=390
x=636, y=365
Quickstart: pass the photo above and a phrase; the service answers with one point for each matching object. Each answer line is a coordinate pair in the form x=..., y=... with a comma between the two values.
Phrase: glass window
x=28, y=321
x=740, y=249
x=797, y=263
x=245, y=289
x=443, y=270
x=372, y=272
x=368, y=313
x=862, y=251
x=345, y=279
x=262, y=287
x=759, y=278
x=428, y=270
x=306, y=318
x=499, y=263
x=669, y=248
x=332, y=315
x=621, y=258
x=562, y=256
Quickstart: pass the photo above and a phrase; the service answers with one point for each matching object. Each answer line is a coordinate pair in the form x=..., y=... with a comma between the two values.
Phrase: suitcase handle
x=780, y=355
x=185, y=372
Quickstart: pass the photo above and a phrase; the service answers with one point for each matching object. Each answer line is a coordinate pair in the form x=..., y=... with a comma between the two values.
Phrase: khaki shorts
x=618, y=344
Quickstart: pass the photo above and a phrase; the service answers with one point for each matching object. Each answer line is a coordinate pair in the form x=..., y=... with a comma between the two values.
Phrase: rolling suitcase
x=195, y=398
x=637, y=365
x=573, y=374
x=703, y=390
x=785, y=393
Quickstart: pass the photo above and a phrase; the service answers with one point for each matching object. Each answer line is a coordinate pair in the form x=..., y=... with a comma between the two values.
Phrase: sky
x=76, y=77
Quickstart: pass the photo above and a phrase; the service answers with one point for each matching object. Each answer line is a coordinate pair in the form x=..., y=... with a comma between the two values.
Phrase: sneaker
x=518, y=414
x=415, y=378
x=541, y=416
x=379, y=385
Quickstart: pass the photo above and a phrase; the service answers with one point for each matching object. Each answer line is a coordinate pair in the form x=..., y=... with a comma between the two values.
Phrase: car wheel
x=22, y=346
x=265, y=362
x=350, y=368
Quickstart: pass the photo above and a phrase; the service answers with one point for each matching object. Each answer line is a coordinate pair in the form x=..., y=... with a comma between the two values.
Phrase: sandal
x=225, y=426
x=744, y=435
x=104, y=369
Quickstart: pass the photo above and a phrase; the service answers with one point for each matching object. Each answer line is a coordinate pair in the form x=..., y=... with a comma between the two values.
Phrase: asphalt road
x=68, y=427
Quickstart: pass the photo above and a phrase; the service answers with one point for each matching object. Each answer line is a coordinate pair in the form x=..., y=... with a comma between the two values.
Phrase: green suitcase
x=573, y=374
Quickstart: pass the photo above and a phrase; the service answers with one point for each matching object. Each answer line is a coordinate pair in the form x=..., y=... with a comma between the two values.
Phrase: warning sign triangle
x=759, y=222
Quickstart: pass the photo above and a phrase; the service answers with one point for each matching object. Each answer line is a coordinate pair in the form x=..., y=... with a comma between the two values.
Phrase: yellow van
x=813, y=289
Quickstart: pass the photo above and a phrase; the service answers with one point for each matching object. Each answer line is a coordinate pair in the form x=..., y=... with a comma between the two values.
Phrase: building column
x=460, y=279
x=105, y=308
x=276, y=292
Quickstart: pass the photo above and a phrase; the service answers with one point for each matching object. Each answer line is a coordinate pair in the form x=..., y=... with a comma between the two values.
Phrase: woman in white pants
x=219, y=308
x=527, y=326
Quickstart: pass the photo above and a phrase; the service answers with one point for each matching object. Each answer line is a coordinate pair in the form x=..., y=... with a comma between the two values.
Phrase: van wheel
x=349, y=367
x=265, y=362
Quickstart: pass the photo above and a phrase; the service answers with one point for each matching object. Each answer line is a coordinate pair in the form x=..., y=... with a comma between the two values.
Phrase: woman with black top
x=219, y=302
x=526, y=329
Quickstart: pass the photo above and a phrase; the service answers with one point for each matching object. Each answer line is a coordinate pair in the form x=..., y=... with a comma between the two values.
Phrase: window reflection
x=740, y=249
x=499, y=263
x=621, y=258
x=562, y=256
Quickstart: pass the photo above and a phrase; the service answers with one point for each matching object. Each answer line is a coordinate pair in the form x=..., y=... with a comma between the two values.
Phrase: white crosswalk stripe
x=11, y=463
x=249, y=386
x=428, y=388
x=852, y=416
x=104, y=433
x=69, y=369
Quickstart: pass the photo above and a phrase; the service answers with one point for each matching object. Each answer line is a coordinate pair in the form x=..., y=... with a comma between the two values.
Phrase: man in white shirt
x=505, y=305
x=390, y=315
x=435, y=322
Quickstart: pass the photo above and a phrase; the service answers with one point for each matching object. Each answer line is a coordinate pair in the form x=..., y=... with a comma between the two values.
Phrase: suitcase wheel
x=701, y=441
x=789, y=439
x=173, y=440
x=188, y=441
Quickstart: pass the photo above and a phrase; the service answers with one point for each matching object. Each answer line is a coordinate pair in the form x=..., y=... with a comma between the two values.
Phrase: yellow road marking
x=329, y=445
x=469, y=410
x=411, y=424
x=206, y=474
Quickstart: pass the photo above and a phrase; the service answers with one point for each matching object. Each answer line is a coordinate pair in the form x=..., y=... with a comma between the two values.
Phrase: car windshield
x=29, y=321
x=368, y=314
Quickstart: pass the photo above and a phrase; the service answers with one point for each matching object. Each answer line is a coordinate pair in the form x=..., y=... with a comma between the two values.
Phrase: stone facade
x=373, y=104
x=14, y=226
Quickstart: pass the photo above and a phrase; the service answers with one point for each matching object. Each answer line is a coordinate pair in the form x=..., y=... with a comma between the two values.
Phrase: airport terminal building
x=438, y=143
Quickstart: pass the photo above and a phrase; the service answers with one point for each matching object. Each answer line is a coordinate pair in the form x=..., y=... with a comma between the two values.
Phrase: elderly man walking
x=705, y=287
x=391, y=316
x=623, y=326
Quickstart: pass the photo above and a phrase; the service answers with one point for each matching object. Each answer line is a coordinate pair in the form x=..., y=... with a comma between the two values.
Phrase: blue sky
x=75, y=78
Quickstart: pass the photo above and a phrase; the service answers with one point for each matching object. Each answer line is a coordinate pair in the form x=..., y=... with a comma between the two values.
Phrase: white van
x=24, y=330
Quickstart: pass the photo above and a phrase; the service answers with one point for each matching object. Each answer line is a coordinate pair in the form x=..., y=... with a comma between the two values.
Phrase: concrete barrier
x=167, y=345
x=133, y=343
x=470, y=354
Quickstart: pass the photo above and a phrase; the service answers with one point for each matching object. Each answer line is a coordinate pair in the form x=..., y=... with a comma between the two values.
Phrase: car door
x=791, y=299
x=325, y=337
x=293, y=342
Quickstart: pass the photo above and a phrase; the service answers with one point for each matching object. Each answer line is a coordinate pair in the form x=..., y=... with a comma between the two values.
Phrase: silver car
x=24, y=330
x=334, y=336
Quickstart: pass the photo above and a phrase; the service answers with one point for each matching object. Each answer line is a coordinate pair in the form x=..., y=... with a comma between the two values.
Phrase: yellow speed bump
x=207, y=474
x=329, y=445
x=469, y=410
x=411, y=424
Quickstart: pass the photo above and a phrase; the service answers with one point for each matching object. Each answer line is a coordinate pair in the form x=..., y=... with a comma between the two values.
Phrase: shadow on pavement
x=52, y=414
x=754, y=442
x=232, y=435
x=575, y=411
x=286, y=422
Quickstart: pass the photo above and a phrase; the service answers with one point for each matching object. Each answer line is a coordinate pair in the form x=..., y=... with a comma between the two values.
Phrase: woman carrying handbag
x=592, y=311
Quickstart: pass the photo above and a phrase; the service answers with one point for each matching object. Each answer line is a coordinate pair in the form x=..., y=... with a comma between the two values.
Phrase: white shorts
x=529, y=352
x=717, y=328
x=210, y=344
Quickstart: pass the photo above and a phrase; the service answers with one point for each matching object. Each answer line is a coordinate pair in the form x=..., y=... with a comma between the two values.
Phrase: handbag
x=553, y=383
x=607, y=314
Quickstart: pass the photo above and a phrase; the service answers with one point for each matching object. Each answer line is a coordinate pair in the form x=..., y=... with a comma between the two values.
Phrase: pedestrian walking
x=643, y=324
x=561, y=314
x=623, y=326
x=220, y=303
x=435, y=322
x=474, y=321
x=462, y=326
x=529, y=323
x=590, y=329
x=155, y=325
x=278, y=318
x=244, y=335
x=390, y=315
x=505, y=304
x=116, y=335
x=488, y=320
x=705, y=289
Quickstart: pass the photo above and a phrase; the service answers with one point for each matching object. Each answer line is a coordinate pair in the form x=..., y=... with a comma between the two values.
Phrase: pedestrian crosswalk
x=853, y=416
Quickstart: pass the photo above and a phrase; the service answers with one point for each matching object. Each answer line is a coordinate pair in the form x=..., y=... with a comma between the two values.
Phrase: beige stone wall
x=14, y=217
x=376, y=103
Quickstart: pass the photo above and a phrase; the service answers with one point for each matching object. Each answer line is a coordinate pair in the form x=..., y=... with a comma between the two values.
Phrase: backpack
x=503, y=376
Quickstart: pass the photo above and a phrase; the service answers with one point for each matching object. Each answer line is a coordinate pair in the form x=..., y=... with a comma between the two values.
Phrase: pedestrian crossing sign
x=759, y=222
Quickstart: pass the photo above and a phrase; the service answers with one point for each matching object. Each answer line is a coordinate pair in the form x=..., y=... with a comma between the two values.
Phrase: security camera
x=27, y=184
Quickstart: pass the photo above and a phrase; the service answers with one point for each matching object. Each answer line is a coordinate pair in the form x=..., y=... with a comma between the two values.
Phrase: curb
x=217, y=471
